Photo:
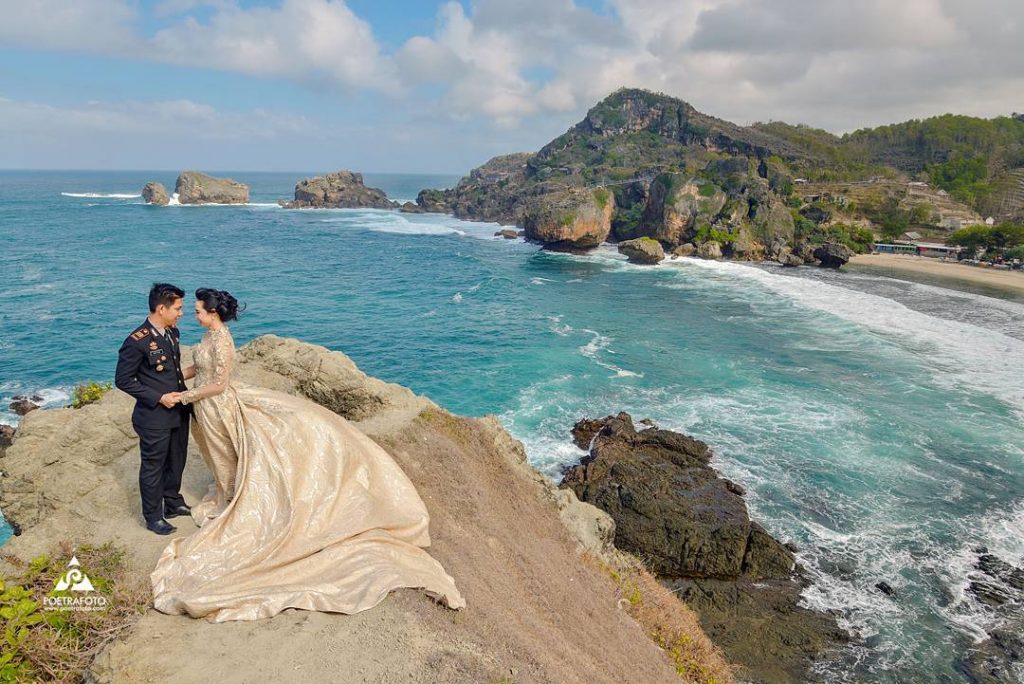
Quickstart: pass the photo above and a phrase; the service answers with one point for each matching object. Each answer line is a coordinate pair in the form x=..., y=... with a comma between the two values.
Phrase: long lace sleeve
x=222, y=352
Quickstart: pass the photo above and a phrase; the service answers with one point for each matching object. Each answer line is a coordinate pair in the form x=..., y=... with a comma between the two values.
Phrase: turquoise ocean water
x=876, y=423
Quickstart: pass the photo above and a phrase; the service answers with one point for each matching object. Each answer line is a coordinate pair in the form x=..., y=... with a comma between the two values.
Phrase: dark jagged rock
x=411, y=208
x=194, y=187
x=507, y=233
x=805, y=250
x=790, y=260
x=885, y=588
x=692, y=527
x=155, y=193
x=996, y=660
x=832, y=254
x=6, y=438
x=22, y=404
x=813, y=212
x=643, y=250
x=995, y=567
x=434, y=201
x=338, y=190
x=671, y=506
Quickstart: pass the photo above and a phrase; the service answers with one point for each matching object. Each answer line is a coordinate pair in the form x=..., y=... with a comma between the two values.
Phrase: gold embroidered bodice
x=213, y=359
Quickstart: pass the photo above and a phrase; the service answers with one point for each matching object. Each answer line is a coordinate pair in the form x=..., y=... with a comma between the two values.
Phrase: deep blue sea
x=876, y=423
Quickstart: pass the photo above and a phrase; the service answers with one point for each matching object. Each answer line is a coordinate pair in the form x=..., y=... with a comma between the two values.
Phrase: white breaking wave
x=390, y=221
x=50, y=397
x=958, y=353
x=1002, y=534
x=599, y=343
x=103, y=195
x=175, y=201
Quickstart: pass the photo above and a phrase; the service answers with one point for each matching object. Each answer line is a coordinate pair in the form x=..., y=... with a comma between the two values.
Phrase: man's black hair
x=164, y=293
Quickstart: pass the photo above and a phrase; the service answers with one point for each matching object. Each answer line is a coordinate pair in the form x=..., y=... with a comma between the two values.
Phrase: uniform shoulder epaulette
x=140, y=334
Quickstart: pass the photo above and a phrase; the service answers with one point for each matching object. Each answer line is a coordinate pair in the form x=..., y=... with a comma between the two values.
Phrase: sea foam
x=102, y=195
x=958, y=353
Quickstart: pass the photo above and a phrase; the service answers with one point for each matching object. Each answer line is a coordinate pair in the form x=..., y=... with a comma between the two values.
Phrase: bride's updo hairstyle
x=220, y=301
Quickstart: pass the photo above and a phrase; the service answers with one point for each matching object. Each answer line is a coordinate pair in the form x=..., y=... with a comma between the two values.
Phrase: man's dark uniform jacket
x=149, y=366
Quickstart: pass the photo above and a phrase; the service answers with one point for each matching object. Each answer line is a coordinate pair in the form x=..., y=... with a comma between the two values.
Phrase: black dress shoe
x=161, y=526
x=175, y=511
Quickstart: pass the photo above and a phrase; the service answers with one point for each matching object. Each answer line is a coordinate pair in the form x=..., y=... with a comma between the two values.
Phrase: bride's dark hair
x=220, y=301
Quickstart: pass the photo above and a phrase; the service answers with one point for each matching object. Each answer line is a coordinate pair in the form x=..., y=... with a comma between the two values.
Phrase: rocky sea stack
x=338, y=190
x=194, y=187
x=673, y=509
x=155, y=193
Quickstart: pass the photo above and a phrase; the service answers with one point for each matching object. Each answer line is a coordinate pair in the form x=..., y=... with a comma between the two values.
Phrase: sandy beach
x=901, y=264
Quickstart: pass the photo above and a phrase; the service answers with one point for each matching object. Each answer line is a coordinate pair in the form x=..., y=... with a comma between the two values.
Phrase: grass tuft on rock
x=667, y=621
x=44, y=644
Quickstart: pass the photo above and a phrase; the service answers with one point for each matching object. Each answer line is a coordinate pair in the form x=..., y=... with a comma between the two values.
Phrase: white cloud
x=309, y=41
x=536, y=65
x=89, y=25
x=314, y=42
x=143, y=120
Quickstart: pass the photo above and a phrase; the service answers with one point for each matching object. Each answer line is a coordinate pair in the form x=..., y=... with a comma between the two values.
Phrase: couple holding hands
x=304, y=510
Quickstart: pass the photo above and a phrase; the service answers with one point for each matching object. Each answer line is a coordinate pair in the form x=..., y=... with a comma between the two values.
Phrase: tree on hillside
x=971, y=238
x=992, y=238
x=1006, y=235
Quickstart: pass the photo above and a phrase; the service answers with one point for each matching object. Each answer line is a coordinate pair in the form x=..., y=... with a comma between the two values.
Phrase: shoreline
x=897, y=265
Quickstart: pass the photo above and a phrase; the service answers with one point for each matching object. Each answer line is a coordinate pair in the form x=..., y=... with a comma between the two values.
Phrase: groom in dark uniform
x=149, y=369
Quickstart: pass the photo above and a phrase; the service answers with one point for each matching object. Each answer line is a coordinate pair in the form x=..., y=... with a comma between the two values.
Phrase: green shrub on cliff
x=709, y=233
x=601, y=195
x=708, y=190
x=856, y=238
x=87, y=393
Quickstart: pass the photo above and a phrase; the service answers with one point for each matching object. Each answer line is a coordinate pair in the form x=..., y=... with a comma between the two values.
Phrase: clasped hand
x=171, y=399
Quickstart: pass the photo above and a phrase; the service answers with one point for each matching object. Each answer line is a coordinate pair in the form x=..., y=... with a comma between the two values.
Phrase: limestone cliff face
x=571, y=219
x=508, y=536
x=194, y=187
x=674, y=207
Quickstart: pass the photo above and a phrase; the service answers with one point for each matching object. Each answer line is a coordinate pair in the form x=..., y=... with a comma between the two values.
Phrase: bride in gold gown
x=305, y=510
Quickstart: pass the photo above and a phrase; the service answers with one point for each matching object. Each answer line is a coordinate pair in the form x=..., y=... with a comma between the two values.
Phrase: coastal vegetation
x=1001, y=240
x=88, y=392
x=51, y=645
x=667, y=621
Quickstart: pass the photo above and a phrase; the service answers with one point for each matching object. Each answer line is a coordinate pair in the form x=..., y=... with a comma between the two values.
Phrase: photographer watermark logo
x=74, y=591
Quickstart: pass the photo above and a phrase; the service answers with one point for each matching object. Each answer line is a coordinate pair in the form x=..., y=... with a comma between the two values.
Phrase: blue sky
x=316, y=85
